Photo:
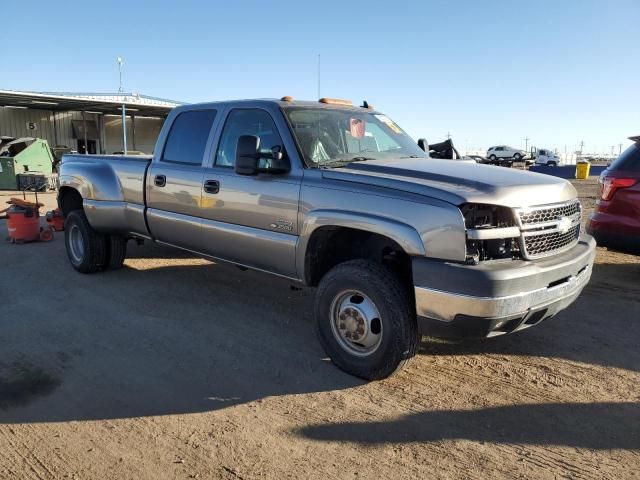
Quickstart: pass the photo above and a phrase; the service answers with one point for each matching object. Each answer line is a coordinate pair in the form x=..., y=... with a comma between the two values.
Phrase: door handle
x=160, y=180
x=212, y=186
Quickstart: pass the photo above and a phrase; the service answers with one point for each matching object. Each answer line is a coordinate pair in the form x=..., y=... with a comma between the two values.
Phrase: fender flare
x=94, y=181
x=404, y=235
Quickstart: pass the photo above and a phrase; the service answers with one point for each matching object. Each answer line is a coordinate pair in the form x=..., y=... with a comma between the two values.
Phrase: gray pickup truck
x=340, y=198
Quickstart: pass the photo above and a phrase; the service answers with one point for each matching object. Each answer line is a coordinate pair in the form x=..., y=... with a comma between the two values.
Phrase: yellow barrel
x=582, y=170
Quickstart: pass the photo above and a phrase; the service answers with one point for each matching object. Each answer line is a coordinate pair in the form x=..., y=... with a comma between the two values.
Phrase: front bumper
x=494, y=298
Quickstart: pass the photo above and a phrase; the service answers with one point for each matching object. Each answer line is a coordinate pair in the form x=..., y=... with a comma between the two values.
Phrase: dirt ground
x=176, y=367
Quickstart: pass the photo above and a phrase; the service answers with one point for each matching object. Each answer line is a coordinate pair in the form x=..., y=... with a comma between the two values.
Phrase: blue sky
x=557, y=71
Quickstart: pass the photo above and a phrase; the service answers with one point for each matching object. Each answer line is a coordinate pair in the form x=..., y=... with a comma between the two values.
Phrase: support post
x=84, y=131
x=133, y=131
x=124, y=128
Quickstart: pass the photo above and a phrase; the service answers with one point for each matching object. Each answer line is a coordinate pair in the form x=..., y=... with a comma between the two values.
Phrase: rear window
x=628, y=161
x=188, y=136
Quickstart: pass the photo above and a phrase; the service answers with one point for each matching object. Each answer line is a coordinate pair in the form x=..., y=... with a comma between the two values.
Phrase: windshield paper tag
x=357, y=128
x=389, y=123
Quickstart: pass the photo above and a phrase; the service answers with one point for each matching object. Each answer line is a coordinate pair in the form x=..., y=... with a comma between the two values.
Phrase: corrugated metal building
x=85, y=122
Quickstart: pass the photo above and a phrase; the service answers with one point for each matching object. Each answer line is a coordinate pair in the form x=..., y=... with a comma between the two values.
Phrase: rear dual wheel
x=88, y=250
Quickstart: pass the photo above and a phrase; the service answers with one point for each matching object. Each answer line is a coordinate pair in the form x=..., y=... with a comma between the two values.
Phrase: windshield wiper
x=342, y=162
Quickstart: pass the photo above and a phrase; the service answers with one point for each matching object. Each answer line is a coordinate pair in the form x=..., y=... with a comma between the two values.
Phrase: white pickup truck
x=544, y=156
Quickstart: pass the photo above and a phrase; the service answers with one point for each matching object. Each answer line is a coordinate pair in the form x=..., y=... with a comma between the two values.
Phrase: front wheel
x=86, y=248
x=365, y=319
x=493, y=158
x=517, y=157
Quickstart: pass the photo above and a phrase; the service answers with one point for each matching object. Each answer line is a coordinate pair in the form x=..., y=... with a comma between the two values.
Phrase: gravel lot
x=177, y=367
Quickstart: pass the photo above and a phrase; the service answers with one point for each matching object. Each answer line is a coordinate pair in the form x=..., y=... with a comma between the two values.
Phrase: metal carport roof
x=107, y=103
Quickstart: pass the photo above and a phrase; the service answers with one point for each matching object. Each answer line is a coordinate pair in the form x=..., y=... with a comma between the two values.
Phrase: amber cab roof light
x=287, y=98
x=336, y=101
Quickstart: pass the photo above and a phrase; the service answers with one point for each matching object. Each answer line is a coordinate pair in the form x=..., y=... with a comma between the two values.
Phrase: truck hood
x=458, y=182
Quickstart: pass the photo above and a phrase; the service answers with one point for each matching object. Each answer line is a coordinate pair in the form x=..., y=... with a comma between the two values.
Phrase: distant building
x=85, y=122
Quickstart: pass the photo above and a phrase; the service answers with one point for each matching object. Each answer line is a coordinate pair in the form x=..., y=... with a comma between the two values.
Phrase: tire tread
x=96, y=245
x=395, y=294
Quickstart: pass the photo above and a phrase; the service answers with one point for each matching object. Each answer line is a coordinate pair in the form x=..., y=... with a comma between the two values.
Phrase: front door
x=174, y=181
x=251, y=220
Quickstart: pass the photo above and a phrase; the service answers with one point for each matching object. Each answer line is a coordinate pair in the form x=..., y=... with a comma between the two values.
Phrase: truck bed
x=114, y=197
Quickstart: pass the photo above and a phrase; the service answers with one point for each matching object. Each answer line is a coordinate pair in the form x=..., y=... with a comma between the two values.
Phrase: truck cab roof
x=279, y=102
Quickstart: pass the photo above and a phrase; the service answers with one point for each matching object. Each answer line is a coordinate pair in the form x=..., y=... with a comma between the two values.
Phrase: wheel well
x=329, y=246
x=69, y=199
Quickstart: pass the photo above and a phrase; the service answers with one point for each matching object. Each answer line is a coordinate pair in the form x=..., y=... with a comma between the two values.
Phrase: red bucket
x=23, y=225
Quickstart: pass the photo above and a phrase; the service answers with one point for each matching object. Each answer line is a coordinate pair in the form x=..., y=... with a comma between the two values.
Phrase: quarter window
x=188, y=136
x=629, y=161
x=246, y=122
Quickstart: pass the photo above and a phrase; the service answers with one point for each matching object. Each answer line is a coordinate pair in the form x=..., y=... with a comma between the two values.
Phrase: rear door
x=252, y=220
x=174, y=181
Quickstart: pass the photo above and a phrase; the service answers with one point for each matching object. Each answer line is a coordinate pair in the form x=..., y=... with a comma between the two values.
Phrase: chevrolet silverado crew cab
x=340, y=198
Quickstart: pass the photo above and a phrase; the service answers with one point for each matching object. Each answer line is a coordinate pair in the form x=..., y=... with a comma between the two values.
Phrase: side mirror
x=423, y=144
x=247, y=155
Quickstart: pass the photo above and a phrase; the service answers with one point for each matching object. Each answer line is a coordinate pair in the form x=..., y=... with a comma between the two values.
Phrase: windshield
x=332, y=138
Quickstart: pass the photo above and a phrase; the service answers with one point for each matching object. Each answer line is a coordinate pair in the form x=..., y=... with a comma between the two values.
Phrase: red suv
x=616, y=220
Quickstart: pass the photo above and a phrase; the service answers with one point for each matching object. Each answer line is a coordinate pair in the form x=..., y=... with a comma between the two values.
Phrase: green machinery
x=31, y=156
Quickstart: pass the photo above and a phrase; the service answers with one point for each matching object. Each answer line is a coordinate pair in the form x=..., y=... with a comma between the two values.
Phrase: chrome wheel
x=76, y=244
x=356, y=323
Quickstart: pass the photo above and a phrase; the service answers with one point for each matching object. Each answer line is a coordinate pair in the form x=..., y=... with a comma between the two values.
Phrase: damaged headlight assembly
x=492, y=233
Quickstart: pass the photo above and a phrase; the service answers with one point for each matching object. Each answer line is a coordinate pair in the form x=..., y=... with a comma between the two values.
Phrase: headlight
x=491, y=232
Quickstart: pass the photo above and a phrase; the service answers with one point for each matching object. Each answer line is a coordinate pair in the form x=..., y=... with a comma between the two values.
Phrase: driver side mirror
x=423, y=144
x=248, y=156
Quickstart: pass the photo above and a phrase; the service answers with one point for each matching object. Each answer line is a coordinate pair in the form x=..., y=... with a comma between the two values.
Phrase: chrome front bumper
x=552, y=286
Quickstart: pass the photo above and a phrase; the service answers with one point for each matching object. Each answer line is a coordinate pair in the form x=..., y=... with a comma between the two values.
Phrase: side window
x=246, y=122
x=188, y=136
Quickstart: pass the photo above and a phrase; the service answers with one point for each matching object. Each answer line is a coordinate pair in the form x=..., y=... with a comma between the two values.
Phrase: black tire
x=517, y=157
x=116, y=252
x=551, y=164
x=399, y=333
x=493, y=158
x=89, y=255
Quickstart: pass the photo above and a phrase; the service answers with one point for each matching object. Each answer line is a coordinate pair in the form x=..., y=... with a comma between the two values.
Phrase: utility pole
x=448, y=135
x=619, y=149
x=526, y=144
x=124, y=108
x=612, y=147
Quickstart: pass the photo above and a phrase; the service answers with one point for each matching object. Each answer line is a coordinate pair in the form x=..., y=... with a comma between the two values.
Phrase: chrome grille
x=543, y=244
x=550, y=229
x=549, y=214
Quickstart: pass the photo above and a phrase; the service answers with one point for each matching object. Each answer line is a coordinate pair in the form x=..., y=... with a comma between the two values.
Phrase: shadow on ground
x=601, y=426
x=196, y=338
x=167, y=340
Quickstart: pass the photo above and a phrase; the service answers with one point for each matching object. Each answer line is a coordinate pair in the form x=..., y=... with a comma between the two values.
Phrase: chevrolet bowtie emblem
x=564, y=225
